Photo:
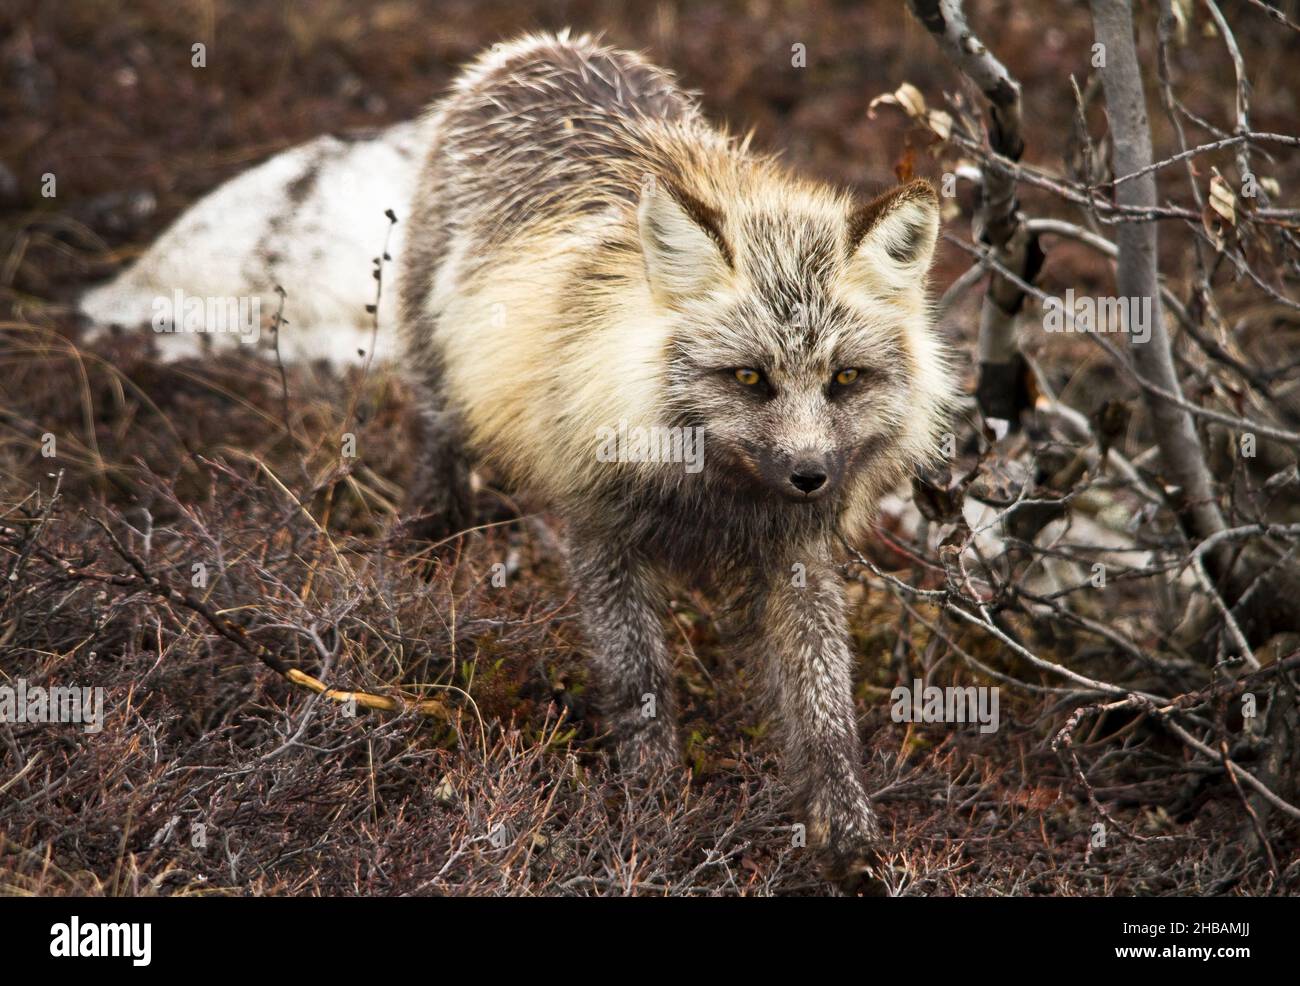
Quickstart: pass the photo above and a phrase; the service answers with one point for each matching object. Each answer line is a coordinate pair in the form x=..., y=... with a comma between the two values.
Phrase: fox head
x=800, y=339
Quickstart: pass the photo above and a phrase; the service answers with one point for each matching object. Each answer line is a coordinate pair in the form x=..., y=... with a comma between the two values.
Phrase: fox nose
x=808, y=476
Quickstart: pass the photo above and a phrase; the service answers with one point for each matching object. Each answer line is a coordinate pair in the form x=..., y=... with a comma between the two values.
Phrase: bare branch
x=1000, y=391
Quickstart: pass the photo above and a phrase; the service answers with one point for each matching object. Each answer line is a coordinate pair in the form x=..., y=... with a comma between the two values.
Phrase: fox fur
x=586, y=252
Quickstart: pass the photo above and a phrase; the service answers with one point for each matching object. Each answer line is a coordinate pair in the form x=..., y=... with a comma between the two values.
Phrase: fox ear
x=892, y=237
x=681, y=238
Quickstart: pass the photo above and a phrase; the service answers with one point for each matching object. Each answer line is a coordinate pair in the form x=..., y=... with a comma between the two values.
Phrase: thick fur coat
x=587, y=255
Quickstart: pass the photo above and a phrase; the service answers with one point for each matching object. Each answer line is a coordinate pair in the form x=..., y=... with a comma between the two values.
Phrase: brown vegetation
x=214, y=774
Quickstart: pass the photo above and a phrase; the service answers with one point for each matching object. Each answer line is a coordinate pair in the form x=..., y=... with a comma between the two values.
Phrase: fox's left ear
x=892, y=237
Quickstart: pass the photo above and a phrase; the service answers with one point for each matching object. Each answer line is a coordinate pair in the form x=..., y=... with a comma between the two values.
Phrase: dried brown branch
x=1001, y=390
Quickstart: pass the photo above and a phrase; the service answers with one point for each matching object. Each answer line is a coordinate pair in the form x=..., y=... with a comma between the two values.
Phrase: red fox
x=710, y=368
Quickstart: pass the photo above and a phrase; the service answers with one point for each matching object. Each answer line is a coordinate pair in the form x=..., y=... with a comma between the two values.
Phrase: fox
x=588, y=258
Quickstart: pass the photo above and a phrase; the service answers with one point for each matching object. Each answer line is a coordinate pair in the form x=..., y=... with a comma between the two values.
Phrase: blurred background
x=103, y=96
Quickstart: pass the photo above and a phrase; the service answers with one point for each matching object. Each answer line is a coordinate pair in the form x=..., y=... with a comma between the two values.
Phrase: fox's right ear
x=681, y=238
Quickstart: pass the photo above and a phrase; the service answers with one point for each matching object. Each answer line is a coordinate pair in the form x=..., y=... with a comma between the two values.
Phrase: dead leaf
x=1220, y=214
x=939, y=122
x=905, y=165
x=910, y=100
x=1222, y=200
x=906, y=96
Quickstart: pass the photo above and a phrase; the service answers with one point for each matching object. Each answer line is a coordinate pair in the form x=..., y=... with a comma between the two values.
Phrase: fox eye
x=748, y=377
x=847, y=376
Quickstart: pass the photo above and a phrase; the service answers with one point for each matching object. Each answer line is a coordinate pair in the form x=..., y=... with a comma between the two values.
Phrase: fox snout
x=802, y=476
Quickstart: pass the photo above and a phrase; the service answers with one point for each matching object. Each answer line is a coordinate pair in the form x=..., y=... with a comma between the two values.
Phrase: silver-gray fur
x=586, y=253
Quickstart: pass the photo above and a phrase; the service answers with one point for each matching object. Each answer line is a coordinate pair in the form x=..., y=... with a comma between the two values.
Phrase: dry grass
x=506, y=790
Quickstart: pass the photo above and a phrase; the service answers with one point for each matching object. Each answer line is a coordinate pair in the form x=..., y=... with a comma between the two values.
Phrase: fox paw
x=849, y=840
